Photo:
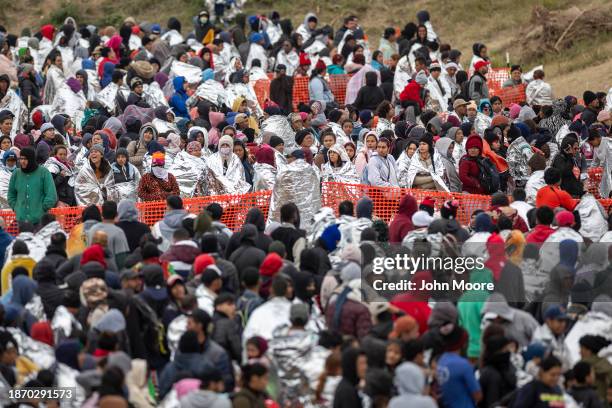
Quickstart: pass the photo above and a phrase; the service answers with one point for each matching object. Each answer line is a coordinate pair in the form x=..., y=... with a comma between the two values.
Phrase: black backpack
x=488, y=175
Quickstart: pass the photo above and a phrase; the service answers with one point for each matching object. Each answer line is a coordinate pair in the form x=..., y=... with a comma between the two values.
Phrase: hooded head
x=408, y=205
x=127, y=211
x=330, y=237
x=409, y=379
x=24, y=289
x=364, y=207
x=29, y=153
x=255, y=216
x=483, y=223
x=178, y=83
x=349, y=364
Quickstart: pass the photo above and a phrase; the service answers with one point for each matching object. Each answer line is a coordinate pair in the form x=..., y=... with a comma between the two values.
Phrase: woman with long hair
x=63, y=175
x=94, y=178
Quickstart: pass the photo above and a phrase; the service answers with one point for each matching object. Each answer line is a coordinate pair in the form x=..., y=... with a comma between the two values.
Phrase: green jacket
x=470, y=306
x=30, y=195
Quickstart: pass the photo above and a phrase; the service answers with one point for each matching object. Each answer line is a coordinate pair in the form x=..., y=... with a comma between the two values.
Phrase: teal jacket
x=30, y=195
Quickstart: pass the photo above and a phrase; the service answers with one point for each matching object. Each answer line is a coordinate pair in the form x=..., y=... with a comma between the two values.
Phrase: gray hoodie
x=410, y=383
x=205, y=398
x=519, y=325
x=172, y=221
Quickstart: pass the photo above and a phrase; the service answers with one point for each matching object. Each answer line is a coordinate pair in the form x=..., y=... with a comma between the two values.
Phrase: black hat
x=588, y=97
x=275, y=141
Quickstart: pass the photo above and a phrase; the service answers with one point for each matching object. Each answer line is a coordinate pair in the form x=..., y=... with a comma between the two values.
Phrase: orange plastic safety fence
x=592, y=184
x=386, y=199
x=510, y=95
x=262, y=90
x=300, y=91
x=337, y=84
x=496, y=78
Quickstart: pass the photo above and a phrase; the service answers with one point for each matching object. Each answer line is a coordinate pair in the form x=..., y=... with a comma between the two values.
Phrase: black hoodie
x=346, y=395
x=51, y=295
x=29, y=153
x=263, y=241
x=370, y=95
x=565, y=163
x=247, y=254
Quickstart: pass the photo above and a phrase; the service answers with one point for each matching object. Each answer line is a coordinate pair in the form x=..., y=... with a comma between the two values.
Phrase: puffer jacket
x=469, y=175
x=354, y=317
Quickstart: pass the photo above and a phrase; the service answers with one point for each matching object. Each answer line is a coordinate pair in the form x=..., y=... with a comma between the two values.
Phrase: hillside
x=503, y=26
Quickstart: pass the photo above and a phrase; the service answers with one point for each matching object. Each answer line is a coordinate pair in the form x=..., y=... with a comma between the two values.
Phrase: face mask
x=203, y=20
x=225, y=151
x=11, y=168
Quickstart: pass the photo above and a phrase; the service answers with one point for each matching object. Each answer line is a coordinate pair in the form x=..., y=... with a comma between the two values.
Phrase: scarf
x=160, y=172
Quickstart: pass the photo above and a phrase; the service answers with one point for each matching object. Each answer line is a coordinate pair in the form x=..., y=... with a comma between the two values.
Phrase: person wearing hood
x=318, y=88
x=50, y=294
x=518, y=155
x=255, y=217
x=31, y=190
x=426, y=170
x=370, y=95
x=54, y=71
x=179, y=97
x=62, y=172
x=227, y=168
x=402, y=222
x=247, y=254
x=497, y=375
x=445, y=147
x=518, y=324
x=568, y=164
x=410, y=382
x=281, y=87
x=159, y=184
x=19, y=258
x=23, y=290
x=354, y=367
x=138, y=148
x=209, y=393
x=173, y=220
x=126, y=176
x=470, y=306
x=28, y=86
x=128, y=221
x=469, y=170
x=94, y=178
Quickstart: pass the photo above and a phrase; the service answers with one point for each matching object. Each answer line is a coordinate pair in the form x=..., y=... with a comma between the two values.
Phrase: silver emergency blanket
x=55, y=167
x=176, y=329
x=153, y=95
x=384, y=124
x=234, y=91
x=48, y=230
x=232, y=182
x=603, y=158
x=481, y=123
x=62, y=324
x=5, y=178
x=163, y=126
x=280, y=126
x=593, y=221
x=190, y=173
x=212, y=91
x=403, y=164
x=344, y=174
x=298, y=183
x=594, y=323
x=280, y=161
x=172, y=37
x=127, y=190
x=144, y=115
x=341, y=137
x=265, y=176
x=13, y=102
x=68, y=103
x=146, y=162
x=416, y=166
x=35, y=307
x=192, y=74
x=40, y=353
x=107, y=96
x=79, y=159
x=322, y=219
x=298, y=361
x=55, y=80
x=88, y=190
x=351, y=228
x=36, y=246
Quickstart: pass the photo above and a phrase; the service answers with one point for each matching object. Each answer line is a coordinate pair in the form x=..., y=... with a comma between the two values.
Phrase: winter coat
x=478, y=88
x=180, y=256
x=382, y=172
x=402, y=222
x=497, y=379
x=152, y=188
x=247, y=254
x=346, y=395
x=410, y=383
x=354, y=318
x=369, y=97
x=179, y=98
x=193, y=363
x=226, y=333
x=50, y=294
x=469, y=175
x=553, y=197
x=134, y=231
x=30, y=92
x=31, y=195
x=565, y=164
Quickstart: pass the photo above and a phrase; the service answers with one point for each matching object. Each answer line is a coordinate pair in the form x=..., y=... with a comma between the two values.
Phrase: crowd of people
x=284, y=311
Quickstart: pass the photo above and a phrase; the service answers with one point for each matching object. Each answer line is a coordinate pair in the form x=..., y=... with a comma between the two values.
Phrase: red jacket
x=539, y=234
x=412, y=92
x=553, y=197
x=468, y=174
x=402, y=222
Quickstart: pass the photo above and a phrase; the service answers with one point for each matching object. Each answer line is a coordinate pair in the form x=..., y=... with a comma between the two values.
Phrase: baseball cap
x=459, y=102
x=481, y=64
x=555, y=312
x=129, y=274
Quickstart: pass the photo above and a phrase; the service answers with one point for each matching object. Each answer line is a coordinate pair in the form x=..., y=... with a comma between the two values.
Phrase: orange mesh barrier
x=300, y=91
x=592, y=184
x=262, y=91
x=496, y=78
x=510, y=95
x=337, y=84
x=386, y=199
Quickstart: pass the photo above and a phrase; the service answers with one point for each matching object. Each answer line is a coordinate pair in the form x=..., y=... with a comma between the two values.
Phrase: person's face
x=121, y=160
x=23, y=161
x=4, y=86
x=451, y=71
x=435, y=74
x=486, y=110
x=471, y=112
x=194, y=326
x=451, y=147
x=334, y=157
x=350, y=151
x=9, y=357
x=11, y=163
x=229, y=309
x=557, y=326
x=243, y=107
x=495, y=145
x=58, y=61
x=382, y=149
x=178, y=292
x=308, y=141
x=81, y=79
x=97, y=139
x=423, y=148
x=169, y=115
x=359, y=51
x=252, y=351
x=62, y=154
x=147, y=136
x=379, y=58
x=328, y=141
x=95, y=157
x=352, y=24
x=516, y=75
x=258, y=383
x=362, y=366
x=484, y=70
x=551, y=377
x=138, y=89
x=461, y=110
x=196, y=153
x=312, y=25
x=411, y=335
x=290, y=292
x=393, y=356
x=497, y=106
x=49, y=134
x=411, y=149
x=200, y=139
x=347, y=128
x=484, y=52
x=133, y=284
x=287, y=46
x=206, y=56
x=229, y=132
x=297, y=124
x=6, y=126
x=280, y=148
x=371, y=142
x=473, y=151
x=239, y=151
x=422, y=32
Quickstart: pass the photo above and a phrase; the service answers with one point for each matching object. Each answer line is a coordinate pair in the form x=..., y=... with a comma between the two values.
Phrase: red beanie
x=93, y=253
x=565, y=219
x=474, y=141
x=201, y=263
x=38, y=119
x=271, y=264
x=320, y=65
x=304, y=60
x=429, y=202
x=41, y=331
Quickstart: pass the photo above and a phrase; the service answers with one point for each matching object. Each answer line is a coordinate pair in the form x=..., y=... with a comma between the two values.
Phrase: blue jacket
x=179, y=98
x=5, y=241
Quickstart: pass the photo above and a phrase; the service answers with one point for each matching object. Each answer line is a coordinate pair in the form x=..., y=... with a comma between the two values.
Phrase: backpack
x=153, y=333
x=488, y=176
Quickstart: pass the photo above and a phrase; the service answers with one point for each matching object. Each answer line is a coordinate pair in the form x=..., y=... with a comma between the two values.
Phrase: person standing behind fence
x=31, y=190
x=381, y=169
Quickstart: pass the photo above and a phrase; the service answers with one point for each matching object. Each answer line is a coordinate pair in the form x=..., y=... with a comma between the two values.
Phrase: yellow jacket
x=15, y=261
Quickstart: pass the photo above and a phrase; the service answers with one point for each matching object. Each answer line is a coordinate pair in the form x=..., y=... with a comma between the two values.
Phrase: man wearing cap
x=438, y=90
x=552, y=334
x=281, y=88
x=460, y=110
x=478, y=88
x=135, y=97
